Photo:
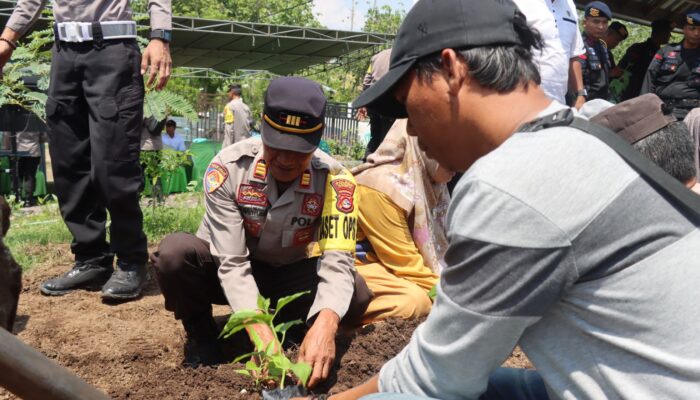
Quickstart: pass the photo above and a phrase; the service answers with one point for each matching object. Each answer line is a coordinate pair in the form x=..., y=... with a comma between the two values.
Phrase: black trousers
x=26, y=168
x=379, y=126
x=94, y=114
x=187, y=275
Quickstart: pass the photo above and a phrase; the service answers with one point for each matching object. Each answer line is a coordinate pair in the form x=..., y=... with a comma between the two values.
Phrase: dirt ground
x=134, y=350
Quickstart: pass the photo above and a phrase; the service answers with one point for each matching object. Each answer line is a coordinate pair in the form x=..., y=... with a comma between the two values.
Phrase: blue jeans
x=504, y=384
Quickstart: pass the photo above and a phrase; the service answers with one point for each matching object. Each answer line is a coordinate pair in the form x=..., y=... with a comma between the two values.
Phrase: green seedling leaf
x=263, y=304
x=257, y=341
x=243, y=357
x=284, y=327
x=288, y=299
x=433, y=293
x=253, y=366
x=243, y=372
x=280, y=361
x=302, y=371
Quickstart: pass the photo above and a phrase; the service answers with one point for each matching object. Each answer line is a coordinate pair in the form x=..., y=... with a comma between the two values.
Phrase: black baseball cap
x=619, y=28
x=432, y=26
x=293, y=115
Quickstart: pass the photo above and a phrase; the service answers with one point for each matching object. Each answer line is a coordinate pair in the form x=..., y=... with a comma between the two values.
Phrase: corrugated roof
x=228, y=46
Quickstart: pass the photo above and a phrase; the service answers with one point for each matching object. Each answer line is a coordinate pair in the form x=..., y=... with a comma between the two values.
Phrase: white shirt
x=557, y=22
x=175, y=143
x=566, y=18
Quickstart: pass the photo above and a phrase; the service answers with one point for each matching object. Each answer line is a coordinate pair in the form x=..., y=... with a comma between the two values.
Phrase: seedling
x=267, y=363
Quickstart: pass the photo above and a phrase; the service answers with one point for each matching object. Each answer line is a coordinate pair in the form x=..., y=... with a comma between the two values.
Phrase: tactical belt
x=76, y=32
x=659, y=178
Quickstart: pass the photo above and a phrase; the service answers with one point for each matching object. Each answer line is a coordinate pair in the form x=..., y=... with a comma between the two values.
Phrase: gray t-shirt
x=557, y=245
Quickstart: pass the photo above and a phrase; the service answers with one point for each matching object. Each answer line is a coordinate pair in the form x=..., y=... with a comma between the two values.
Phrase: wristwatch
x=582, y=93
x=162, y=34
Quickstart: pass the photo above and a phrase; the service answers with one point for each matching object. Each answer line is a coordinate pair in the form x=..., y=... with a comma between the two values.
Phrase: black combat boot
x=90, y=275
x=202, y=347
x=126, y=282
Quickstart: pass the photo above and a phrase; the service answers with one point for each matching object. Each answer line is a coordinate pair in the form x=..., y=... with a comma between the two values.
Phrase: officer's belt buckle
x=72, y=32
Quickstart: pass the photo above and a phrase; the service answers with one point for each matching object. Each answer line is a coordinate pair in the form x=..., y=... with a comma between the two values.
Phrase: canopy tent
x=645, y=11
x=229, y=46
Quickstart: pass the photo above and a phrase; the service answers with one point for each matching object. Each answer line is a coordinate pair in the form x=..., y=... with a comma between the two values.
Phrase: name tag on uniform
x=249, y=194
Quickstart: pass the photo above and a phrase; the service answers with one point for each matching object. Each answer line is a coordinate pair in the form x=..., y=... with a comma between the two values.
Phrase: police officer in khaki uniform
x=266, y=202
x=94, y=113
x=236, y=117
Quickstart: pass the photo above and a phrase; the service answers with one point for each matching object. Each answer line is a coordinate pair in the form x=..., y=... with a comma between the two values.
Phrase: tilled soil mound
x=134, y=350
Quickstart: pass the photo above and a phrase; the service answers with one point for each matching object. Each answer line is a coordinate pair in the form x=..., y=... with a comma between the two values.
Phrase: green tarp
x=6, y=179
x=202, y=154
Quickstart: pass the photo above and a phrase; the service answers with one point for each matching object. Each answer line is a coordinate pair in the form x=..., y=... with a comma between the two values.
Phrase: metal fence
x=341, y=124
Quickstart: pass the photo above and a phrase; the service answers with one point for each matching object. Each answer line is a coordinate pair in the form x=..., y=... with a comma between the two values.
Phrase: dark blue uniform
x=674, y=76
x=595, y=66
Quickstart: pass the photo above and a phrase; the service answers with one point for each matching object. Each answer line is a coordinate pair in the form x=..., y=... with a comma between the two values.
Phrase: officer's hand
x=157, y=57
x=318, y=347
x=580, y=101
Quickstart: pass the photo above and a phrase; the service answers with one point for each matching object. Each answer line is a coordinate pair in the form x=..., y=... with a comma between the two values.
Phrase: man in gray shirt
x=94, y=112
x=556, y=243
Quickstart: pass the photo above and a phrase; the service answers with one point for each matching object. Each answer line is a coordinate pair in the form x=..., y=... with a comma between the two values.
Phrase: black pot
x=284, y=394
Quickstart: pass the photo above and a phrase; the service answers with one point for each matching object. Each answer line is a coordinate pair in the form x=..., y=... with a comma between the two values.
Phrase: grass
x=41, y=237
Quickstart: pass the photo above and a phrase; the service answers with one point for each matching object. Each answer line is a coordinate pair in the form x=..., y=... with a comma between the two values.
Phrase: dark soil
x=134, y=350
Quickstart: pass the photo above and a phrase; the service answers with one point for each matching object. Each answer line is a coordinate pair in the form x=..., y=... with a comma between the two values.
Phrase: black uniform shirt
x=596, y=68
x=674, y=74
x=636, y=60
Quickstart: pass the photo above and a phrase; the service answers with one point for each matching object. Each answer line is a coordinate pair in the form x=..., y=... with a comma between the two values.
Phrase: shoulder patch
x=215, y=176
x=344, y=190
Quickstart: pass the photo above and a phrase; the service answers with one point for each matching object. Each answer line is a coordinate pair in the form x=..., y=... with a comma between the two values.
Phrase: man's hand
x=157, y=57
x=580, y=101
x=318, y=347
x=362, y=113
x=5, y=48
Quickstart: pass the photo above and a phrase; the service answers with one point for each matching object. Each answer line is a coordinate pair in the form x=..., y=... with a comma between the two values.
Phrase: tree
x=278, y=12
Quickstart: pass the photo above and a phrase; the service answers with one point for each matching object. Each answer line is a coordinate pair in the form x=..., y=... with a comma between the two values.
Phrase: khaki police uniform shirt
x=246, y=218
x=237, y=118
x=378, y=67
x=28, y=11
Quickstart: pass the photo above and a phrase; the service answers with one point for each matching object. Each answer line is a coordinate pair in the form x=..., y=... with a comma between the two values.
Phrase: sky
x=335, y=14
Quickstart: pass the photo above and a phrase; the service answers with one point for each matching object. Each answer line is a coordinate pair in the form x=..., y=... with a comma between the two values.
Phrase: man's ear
x=454, y=70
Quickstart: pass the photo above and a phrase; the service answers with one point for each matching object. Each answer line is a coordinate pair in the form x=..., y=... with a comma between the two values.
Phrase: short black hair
x=661, y=26
x=671, y=148
x=235, y=88
x=500, y=68
x=170, y=122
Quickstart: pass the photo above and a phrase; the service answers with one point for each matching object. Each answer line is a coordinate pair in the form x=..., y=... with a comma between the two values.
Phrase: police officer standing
x=674, y=73
x=94, y=114
x=236, y=117
x=266, y=201
x=595, y=63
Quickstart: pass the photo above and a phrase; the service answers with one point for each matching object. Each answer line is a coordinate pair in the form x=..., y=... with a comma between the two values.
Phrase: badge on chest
x=253, y=205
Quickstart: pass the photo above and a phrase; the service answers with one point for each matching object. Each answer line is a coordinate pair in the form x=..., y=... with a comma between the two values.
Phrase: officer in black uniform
x=94, y=112
x=674, y=73
x=595, y=63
